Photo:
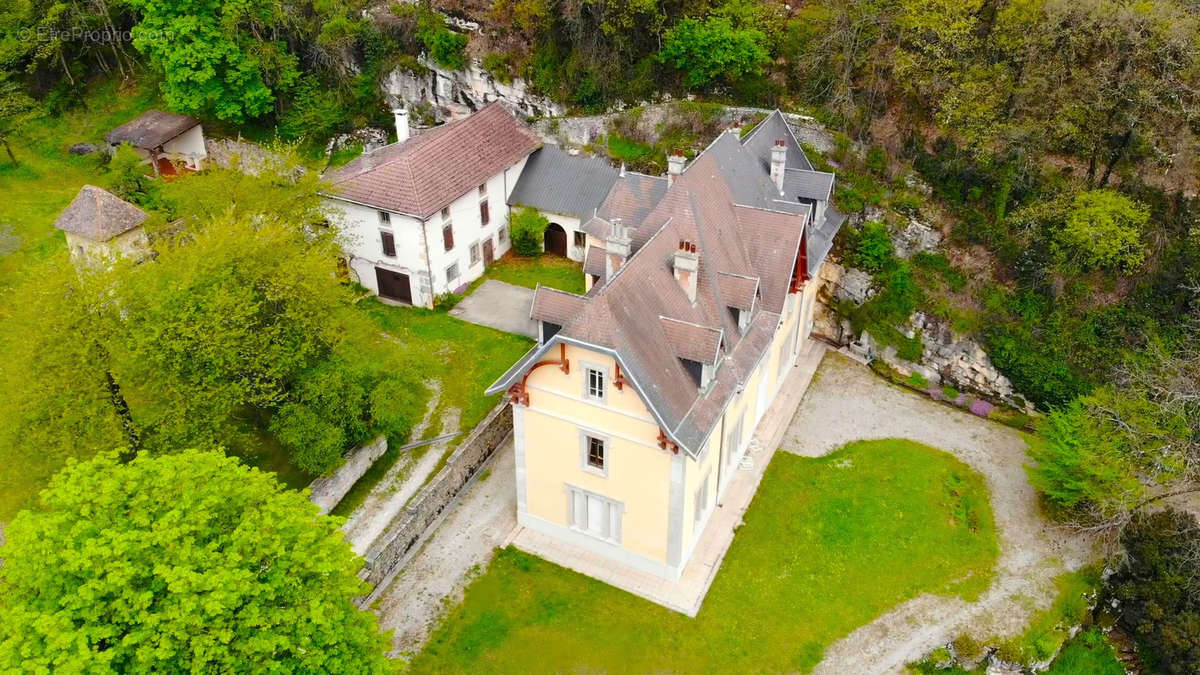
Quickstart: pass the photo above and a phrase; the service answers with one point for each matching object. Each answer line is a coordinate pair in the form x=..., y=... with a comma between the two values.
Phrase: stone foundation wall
x=327, y=491
x=425, y=506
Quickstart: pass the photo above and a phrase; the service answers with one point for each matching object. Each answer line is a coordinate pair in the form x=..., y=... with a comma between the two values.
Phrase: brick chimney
x=401, y=115
x=674, y=166
x=779, y=163
x=687, y=267
x=617, y=247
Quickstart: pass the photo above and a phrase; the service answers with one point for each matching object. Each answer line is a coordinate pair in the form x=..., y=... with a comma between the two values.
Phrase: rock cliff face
x=948, y=358
x=457, y=93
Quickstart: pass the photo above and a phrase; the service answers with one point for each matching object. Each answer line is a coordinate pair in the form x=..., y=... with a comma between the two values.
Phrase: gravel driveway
x=460, y=547
x=849, y=403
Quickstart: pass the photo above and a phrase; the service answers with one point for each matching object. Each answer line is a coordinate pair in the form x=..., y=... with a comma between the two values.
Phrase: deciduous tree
x=184, y=562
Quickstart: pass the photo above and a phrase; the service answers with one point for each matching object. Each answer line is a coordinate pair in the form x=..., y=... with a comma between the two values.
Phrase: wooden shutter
x=447, y=237
x=484, y=214
x=389, y=244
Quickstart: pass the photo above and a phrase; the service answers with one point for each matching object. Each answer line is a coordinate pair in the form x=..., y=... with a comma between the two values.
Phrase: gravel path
x=848, y=403
x=401, y=482
x=459, y=548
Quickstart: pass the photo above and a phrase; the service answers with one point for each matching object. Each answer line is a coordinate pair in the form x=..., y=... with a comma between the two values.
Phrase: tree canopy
x=237, y=325
x=713, y=50
x=183, y=562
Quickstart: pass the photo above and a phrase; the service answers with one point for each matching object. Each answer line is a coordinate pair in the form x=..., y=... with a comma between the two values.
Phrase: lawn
x=464, y=357
x=48, y=177
x=828, y=545
x=547, y=270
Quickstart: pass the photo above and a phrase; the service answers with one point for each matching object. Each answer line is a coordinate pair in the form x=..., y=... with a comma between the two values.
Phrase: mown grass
x=464, y=357
x=547, y=270
x=827, y=545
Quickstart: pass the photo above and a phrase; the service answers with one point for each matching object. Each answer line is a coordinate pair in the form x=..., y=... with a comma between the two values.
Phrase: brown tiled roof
x=593, y=262
x=747, y=239
x=151, y=129
x=699, y=208
x=691, y=341
x=738, y=290
x=631, y=197
x=99, y=215
x=428, y=171
x=557, y=307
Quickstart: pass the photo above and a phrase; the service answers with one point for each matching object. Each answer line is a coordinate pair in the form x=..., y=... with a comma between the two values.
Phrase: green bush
x=907, y=202
x=877, y=160
x=314, y=113
x=499, y=66
x=917, y=380
x=950, y=393
x=130, y=175
x=528, y=230
x=446, y=47
x=871, y=247
x=713, y=50
x=1103, y=229
x=446, y=301
x=940, y=264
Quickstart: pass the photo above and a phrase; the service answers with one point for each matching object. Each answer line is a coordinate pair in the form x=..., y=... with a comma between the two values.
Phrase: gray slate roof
x=99, y=215
x=555, y=181
x=762, y=138
x=151, y=129
x=802, y=184
x=820, y=239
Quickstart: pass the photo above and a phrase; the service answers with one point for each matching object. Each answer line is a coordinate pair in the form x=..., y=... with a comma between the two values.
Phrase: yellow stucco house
x=634, y=409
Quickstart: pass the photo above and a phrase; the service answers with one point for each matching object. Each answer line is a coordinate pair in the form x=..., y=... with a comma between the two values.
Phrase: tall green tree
x=17, y=110
x=1112, y=452
x=231, y=329
x=217, y=57
x=713, y=50
x=186, y=562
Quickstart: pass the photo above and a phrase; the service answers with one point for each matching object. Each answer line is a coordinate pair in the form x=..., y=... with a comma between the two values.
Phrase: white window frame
x=588, y=369
x=457, y=274
x=385, y=218
x=735, y=435
x=585, y=436
x=503, y=234
x=475, y=254
x=702, y=505
x=578, y=514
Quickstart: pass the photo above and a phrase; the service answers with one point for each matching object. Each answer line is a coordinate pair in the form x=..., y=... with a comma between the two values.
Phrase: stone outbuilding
x=101, y=226
x=167, y=141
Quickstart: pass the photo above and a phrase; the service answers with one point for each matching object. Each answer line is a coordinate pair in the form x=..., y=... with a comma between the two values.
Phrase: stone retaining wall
x=327, y=491
x=424, y=508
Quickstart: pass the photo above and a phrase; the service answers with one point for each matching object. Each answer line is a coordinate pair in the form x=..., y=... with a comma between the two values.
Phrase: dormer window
x=695, y=369
x=548, y=330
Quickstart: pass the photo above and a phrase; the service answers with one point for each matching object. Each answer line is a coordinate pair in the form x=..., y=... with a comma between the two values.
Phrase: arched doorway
x=556, y=239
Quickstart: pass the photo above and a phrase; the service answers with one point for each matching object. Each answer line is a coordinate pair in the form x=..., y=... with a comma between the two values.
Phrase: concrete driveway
x=498, y=305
